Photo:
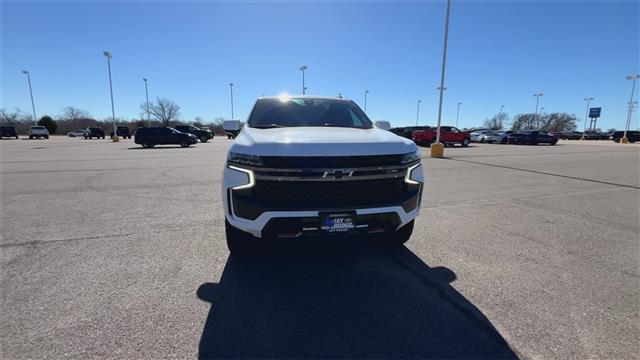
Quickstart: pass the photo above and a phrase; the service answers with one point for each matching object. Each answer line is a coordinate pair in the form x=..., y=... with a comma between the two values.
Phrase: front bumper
x=390, y=216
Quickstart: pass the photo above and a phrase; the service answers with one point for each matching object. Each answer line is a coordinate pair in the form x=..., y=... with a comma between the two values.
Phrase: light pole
x=365, y=100
x=33, y=106
x=304, y=88
x=146, y=92
x=231, y=88
x=113, y=112
x=633, y=78
x=501, y=107
x=537, y=102
x=458, y=114
x=439, y=149
x=418, y=112
x=586, y=116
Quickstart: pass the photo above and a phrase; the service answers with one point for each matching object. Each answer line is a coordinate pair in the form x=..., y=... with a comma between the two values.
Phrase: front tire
x=239, y=242
x=185, y=144
x=465, y=143
x=204, y=139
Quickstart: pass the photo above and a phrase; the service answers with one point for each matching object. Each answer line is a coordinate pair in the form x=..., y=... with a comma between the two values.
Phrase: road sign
x=594, y=113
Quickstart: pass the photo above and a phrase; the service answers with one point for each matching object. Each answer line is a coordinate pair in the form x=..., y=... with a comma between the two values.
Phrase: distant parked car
x=384, y=125
x=203, y=135
x=232, y=128
x=76, y=133
x=595, y=135
x=152, y=136
x=531, y=137
x=93, y=132
x=568, y=135
x=36, y=132
x=123, y=132
x=8, y=131
x=499, y=137
x=479, y=135
x=632, y=136
x=407, y=131
x=449, y=135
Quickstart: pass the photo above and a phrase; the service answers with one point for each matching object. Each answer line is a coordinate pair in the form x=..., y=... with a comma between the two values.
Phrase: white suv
x=38, y=132
x=305, y=166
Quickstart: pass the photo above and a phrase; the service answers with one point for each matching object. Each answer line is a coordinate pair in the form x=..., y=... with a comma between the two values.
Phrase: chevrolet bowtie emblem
x=337, y=173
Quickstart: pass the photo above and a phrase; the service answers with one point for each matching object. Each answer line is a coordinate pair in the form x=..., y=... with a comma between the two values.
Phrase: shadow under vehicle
x=312, y=303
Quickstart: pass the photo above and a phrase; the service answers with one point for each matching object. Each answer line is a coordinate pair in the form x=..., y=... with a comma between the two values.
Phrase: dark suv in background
x=632, y=136
x=123, y=132
x=532, y=137
x=94, y=132
x=203, y=135
x=8, y=131
x=150, y=137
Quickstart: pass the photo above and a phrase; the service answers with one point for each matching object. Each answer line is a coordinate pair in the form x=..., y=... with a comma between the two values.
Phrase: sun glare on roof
x=284, y=97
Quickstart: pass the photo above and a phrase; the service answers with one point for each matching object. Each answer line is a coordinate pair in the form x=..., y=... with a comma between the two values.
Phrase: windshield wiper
x=266, y=126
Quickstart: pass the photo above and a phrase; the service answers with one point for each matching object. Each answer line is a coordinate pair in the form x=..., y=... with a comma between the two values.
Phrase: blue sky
x=499, y=53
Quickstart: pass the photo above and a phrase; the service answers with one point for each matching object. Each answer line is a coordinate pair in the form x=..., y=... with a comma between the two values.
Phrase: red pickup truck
x=449, y=135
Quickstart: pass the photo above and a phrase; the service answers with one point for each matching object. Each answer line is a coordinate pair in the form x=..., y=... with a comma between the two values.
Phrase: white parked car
x=479, y=135
x=36, y=132
x=499, y=137
x=317, y=165
x=76, y=133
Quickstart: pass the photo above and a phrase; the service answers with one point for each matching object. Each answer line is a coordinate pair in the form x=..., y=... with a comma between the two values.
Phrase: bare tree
x=524, y=122
x=553, y=122
x=10, y=117
x=164, y=110
x=556, y=122
x=497, y=122
x=73, y=113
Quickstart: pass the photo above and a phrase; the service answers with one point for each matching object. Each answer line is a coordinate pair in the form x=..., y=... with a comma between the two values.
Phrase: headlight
x=410, y=157
x=244, y=159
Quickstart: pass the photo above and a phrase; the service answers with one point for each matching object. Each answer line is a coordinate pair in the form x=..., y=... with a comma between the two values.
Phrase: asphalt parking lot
x=111, y=250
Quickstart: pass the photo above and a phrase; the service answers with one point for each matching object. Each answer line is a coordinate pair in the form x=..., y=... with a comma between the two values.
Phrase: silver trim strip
x=397, y=175
x=322, y=170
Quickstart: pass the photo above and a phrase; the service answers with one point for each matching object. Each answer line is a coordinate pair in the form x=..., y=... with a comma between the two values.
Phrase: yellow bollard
x=624, y=140
x=115, y=139
x=437, y=150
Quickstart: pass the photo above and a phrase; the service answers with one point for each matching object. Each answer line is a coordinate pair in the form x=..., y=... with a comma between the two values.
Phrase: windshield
x=296, y=112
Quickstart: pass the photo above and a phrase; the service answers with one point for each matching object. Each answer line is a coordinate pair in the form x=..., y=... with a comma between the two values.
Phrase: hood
x=320, y=141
